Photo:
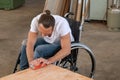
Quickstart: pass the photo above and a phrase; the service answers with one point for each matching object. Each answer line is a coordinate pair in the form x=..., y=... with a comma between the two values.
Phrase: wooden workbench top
x=50, y=72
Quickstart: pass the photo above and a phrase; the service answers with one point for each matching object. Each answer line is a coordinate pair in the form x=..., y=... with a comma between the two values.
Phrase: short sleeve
x=34, y=24
x=64, y=29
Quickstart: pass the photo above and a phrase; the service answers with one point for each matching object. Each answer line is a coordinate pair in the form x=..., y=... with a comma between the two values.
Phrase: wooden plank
x=65, y=8
x=50, y=72
x=87, y=10
x=59, y=7
x=73, y=8
x=78, y=15
x=53, y=5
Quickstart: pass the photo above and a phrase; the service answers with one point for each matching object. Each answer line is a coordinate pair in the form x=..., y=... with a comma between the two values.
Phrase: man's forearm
x=30, y=45
x=30, y=53
x=65, y=49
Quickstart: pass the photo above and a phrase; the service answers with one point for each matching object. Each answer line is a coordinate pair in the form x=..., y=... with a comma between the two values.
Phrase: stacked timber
x=59, y=7
x=79, y=8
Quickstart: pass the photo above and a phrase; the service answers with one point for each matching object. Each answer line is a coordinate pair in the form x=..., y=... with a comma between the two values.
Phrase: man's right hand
x=38, y=63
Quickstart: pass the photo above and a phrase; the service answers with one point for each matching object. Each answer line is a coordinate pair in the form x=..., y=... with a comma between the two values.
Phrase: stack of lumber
x=59, y=7
x=78, y=7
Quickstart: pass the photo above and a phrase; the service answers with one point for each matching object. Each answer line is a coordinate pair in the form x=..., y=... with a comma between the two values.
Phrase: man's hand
x=38, y=63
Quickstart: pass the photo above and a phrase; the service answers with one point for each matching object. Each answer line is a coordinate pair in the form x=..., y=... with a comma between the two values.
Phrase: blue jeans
x=41, y=49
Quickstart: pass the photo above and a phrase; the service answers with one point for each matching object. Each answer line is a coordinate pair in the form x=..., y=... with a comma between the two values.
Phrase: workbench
x=50, y=72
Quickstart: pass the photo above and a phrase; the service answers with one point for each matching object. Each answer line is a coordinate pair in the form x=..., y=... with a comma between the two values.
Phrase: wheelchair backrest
x=74, y=25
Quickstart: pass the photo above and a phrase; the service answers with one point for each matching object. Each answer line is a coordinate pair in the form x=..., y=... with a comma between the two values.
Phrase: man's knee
x=39, y=52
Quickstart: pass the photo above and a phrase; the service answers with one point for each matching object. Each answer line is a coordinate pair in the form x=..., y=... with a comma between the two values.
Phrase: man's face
x=45, y=31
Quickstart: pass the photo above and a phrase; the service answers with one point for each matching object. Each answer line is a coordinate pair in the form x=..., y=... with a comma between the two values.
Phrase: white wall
x=98, y=9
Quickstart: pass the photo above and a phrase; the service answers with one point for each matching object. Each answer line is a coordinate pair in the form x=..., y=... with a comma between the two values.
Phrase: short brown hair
x=47, y=19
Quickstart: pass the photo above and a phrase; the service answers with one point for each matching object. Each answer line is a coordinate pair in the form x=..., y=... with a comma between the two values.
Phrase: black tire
x=81, y=60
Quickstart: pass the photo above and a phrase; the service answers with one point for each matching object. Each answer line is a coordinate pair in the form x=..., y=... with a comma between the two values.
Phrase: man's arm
x=65, y=49
x=32, y=36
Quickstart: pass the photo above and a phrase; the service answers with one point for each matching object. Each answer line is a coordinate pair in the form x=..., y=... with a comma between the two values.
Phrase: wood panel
x=73, y=8
x=78, y=15
x=59, y=7
x=50, y=72
x=65, y=7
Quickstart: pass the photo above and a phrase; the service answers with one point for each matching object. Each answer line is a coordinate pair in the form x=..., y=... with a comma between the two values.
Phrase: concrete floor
x=14, y=25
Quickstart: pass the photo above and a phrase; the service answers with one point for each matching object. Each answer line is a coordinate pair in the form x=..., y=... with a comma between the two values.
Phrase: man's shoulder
x=59, y=18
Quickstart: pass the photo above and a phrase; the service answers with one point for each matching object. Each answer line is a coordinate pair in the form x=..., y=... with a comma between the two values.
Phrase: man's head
x=46, y=23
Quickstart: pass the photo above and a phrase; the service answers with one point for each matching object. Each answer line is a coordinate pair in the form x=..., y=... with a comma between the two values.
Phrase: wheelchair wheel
x=81, y=60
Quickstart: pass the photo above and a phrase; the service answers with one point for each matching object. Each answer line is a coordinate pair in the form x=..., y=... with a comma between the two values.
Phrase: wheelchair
x=78, y=51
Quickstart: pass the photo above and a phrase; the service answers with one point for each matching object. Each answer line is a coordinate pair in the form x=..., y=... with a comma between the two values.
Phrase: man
x=53, y=44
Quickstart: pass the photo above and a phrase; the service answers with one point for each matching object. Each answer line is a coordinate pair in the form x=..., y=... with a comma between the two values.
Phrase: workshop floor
x=14, y=25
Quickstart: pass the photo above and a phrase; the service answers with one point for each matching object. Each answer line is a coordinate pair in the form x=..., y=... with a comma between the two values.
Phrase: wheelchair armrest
x=67, y=14
x=80, y=45
x=24, y=42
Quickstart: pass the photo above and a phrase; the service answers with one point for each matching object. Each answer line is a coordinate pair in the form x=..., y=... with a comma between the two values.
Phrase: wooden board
x=59, y=7
x=73, y=8
x=78, y=15
x=65, y=7
x=50, y=72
